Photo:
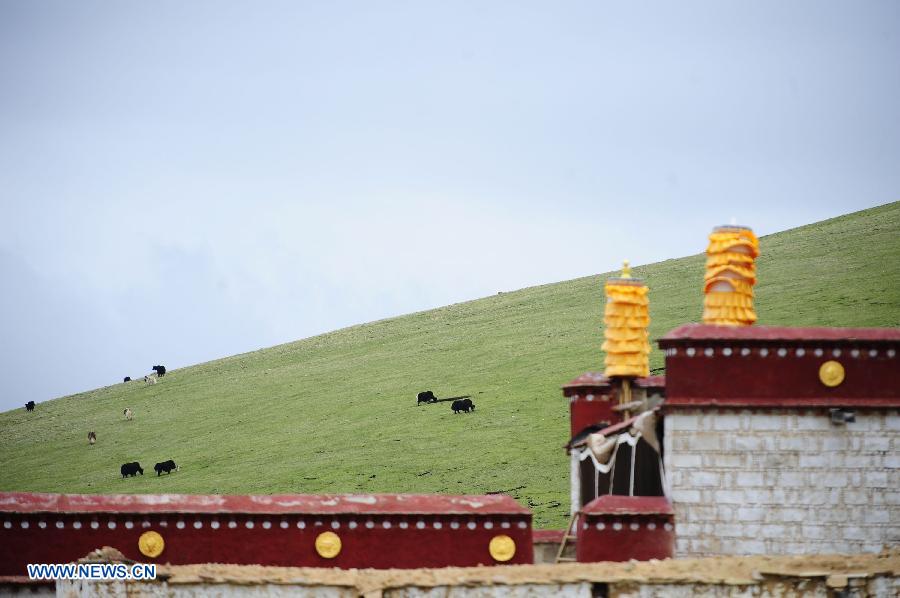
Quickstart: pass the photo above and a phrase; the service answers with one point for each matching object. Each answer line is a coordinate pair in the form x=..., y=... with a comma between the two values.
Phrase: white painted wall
x=781, y=481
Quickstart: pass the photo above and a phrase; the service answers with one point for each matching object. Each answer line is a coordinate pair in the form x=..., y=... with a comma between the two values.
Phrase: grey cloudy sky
x=185, y=181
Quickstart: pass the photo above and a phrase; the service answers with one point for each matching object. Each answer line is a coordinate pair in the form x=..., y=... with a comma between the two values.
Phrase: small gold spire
x=626, y=269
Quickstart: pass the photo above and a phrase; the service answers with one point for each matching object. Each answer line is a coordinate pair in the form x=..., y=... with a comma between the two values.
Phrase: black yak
x=160, y=370
x=131, y=469
x=165, y=466
x=425, y=397
x=29, y=406
x=462, y=405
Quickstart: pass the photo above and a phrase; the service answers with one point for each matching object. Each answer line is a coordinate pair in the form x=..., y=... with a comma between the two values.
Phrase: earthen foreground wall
x=783, y=481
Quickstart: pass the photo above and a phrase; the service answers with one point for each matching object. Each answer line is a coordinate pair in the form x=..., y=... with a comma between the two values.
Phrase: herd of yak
x=460, y=404
x=133, y=468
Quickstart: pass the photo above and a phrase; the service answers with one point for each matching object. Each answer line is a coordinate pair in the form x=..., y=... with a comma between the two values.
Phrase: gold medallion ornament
x=328, y=545
x=151, y=544
x=831, y=373
x=502, y=548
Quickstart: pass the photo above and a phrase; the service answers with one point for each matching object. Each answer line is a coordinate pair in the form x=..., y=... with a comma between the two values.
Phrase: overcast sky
x=181, y=181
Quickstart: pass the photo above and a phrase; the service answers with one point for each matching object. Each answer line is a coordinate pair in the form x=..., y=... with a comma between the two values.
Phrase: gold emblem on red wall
x=151, y=544
x=502, y=548
x=328, y=545
x=831, y=373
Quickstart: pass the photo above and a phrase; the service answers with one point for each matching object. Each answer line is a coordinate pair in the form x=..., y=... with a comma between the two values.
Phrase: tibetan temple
x=757, y=440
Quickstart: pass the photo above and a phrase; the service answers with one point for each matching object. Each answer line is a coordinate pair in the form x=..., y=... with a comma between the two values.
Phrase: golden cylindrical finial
x=626, y=316
x=730, y=276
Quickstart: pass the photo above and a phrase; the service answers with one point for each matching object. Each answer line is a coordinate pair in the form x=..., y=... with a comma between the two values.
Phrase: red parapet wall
x=592, y=397
x=769, y=366
x=621, y=528
x=375, y=531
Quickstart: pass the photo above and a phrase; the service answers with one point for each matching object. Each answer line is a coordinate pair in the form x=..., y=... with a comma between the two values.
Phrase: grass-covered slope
x=337, y=413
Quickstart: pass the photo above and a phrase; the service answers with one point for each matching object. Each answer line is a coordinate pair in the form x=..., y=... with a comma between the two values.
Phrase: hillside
x=337, y=412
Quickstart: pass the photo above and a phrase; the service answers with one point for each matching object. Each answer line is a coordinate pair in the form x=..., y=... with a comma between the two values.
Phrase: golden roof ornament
x=730, y=276
x=626, y=316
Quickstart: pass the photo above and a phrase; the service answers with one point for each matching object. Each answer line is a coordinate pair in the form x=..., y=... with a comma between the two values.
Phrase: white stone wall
x=780, y=481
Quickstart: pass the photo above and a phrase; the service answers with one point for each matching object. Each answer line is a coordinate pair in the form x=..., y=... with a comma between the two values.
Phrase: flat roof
x=385, y=504
x=780, y=333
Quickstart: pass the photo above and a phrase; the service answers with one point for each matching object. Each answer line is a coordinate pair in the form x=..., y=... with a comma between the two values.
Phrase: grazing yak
x=128, y=413
x=151, y=379
x=127, y=379
x=131, y=469
x=29, y=406
x=160, y=370
x=92, y=437
x=165, y=466
x=462, y=405
x=425, y=397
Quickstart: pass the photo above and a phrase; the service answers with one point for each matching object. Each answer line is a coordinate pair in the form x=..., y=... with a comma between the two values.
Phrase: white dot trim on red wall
x=420, y=524
x=891, y=353
x=782, y=352
x=129, y=524
x=818, y=352
x=635, y=526
x=370, y=524
x=180, y=525
x=523, y=525
x=76, y=525
x=214, y=524
x=438, y=525
x=145, y=524
x=60, y=525
x=854, y=353
x=95, y=524
x=403, y=525
x=352, y=525
x=836, y=352
x=42, y=524
x=745, y=351
x=198, y=524
x=386, y=525
x=651, y=525
x=617, y=526
x=873, y=352
x=471, y=525
x=249, y=525
x=454, y=525
x=284, y=524
x=267, y=524
x=801, y=352
x=726, y=351
x=690, y=351
x=668, y=527
x=301, y=525
x=600, y=526
x=24, y=525
x=708, y=351
x=335, y=525
x=763, y=352
x=505, y=525
x=488, y=525
x=111, y=525
x=232, y=524
x=7, y=524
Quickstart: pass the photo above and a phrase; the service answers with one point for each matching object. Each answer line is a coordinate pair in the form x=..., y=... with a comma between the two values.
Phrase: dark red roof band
x=385, y=504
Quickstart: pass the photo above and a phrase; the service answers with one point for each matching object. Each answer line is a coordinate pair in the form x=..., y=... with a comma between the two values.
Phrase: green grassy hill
x=337, y=412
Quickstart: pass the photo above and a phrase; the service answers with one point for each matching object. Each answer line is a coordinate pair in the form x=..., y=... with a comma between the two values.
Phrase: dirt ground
x=836, y=569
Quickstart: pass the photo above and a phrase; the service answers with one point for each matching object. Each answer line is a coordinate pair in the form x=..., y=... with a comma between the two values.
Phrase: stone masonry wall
x=782, y=481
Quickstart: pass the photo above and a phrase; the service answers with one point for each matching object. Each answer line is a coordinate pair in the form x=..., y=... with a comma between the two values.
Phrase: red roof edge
x=780, y=333
x=548, y=536
x=597, y=379
x=610, y=504
x=386, y=504
x=782, y=403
